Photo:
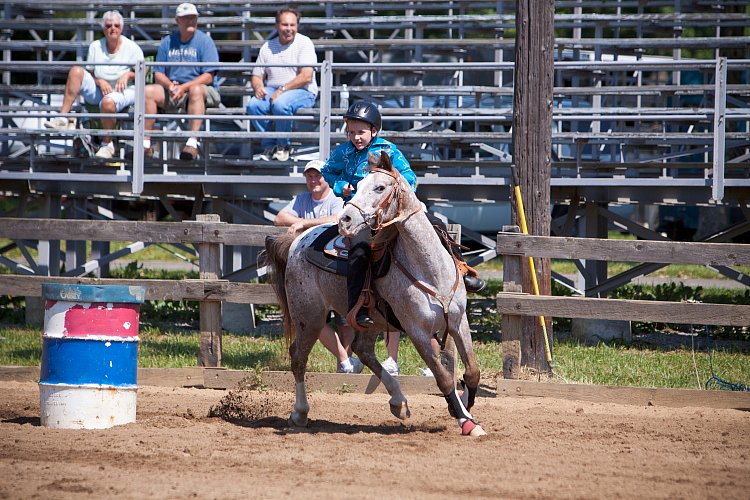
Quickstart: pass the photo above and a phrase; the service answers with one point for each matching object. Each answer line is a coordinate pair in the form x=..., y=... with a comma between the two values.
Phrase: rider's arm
x=333, y=171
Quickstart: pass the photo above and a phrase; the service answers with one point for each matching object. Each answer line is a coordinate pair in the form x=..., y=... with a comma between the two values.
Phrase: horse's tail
x=277, y=253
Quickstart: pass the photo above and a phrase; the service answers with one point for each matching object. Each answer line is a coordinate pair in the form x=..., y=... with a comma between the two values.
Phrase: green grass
x=603, y=364
x=647, y=367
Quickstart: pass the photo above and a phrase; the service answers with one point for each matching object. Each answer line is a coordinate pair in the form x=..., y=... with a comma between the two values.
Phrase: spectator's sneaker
x=391, y=367
x=353, y=366
x=189, y=153
x=282, y=153
x=107, y=151
x=266, y=155
x=60, y=123
x=426, y=372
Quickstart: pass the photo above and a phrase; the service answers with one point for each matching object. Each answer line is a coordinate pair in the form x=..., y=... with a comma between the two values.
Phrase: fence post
x=512, y=328
x=209, y=254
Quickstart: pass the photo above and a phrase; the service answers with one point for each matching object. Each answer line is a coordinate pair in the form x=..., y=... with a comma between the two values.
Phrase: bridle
x=374, y=221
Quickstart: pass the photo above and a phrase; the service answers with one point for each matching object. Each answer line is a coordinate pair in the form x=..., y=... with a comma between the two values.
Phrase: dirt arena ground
x=536, y=448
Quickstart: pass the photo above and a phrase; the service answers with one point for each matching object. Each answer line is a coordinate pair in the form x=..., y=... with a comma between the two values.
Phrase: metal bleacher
x=651, y=102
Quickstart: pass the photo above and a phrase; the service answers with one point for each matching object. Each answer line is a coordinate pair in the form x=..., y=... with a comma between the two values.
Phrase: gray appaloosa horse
x=423, y=288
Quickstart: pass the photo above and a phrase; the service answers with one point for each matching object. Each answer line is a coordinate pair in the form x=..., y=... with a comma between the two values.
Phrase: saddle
x=330, y=251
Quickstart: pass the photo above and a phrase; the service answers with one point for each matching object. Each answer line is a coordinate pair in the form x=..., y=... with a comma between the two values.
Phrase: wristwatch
x=282, y=88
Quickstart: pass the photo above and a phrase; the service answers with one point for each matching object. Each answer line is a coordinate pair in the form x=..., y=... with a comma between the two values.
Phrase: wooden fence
x=207, y=233
x=515, y=305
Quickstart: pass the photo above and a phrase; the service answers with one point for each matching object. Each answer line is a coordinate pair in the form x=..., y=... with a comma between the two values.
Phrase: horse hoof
x=297, y=420
x=471, y=428
x=401, y=411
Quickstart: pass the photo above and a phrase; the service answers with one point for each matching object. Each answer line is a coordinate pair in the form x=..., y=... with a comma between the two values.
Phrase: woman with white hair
x=108, y=86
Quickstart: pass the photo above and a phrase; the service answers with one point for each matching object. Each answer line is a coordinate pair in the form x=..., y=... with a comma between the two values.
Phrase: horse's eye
x=380, y=189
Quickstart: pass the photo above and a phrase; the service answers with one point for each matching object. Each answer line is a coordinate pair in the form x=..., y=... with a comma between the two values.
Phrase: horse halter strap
x=397, y=191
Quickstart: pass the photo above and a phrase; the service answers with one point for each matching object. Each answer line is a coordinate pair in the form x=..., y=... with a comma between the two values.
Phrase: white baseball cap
x=316, y=164
x=186, y=9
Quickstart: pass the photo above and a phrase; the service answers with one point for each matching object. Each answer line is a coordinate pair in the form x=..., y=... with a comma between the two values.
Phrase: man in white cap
x=317, y=206
x=178, y=88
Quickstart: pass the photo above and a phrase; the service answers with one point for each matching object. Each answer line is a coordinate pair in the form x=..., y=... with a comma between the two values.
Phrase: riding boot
x=473, y=283
x=356, y=274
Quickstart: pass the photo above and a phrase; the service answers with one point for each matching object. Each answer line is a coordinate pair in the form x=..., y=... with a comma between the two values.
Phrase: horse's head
x=379, y=201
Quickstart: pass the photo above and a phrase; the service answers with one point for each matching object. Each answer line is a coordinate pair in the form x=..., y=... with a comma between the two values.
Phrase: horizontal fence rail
x=669, y=252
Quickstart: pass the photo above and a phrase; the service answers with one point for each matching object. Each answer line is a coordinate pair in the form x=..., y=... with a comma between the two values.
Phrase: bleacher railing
x=718, y=114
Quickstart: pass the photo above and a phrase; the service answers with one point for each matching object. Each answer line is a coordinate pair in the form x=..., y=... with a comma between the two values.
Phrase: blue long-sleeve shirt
x=346, y=165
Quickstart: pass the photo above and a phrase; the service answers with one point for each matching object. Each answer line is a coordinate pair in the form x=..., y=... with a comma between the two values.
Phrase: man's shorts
x=213, y=99
x=93, y=94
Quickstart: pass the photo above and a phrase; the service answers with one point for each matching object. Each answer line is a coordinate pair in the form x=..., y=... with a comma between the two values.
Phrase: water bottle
x=344, y=97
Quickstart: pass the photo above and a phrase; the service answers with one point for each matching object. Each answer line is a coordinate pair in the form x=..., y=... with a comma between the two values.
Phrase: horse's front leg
x=471, y=378
x=364, y=347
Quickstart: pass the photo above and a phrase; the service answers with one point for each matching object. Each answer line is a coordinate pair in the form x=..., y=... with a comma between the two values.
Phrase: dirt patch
x=538, y=448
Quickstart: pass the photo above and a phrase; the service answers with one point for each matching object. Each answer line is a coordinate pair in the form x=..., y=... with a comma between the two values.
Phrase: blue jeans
x=286, y=105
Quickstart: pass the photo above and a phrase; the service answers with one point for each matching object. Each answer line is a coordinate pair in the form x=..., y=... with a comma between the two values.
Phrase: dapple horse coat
x=423, y=287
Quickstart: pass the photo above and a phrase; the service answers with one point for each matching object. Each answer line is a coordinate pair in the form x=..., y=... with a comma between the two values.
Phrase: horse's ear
x=372, y=160
x=385, y=161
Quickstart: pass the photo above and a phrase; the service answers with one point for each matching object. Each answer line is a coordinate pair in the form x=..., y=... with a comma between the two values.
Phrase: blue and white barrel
x=88, y=378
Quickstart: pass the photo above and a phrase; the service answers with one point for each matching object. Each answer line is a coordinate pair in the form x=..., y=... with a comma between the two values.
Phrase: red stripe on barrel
x=97, y=319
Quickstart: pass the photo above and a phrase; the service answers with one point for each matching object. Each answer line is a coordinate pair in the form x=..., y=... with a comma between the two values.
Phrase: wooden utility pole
x=532, y=146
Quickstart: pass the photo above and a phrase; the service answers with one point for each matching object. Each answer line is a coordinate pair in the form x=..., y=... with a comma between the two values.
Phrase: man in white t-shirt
x=281, y=91
x=108, y=86
x=320, y=206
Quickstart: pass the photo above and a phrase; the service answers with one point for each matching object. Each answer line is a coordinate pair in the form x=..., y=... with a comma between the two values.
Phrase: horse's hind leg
x=299, y=351
x=364, y=347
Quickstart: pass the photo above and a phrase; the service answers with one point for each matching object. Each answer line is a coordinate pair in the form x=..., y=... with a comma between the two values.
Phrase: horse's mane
x=276, y=255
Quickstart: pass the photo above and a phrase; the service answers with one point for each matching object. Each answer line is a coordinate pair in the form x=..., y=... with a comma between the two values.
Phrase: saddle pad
x=338, y=247
x=324, y=254
x=330, y=251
